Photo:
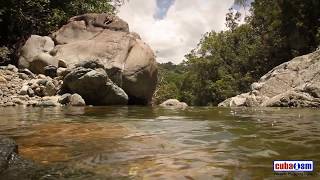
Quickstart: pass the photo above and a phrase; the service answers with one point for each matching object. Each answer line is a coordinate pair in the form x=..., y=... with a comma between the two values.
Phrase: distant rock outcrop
x=292, y=84
x=104, y=38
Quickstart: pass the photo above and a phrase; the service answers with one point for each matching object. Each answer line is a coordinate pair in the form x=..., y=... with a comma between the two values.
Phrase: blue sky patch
x=237, y=7
x=162, y=8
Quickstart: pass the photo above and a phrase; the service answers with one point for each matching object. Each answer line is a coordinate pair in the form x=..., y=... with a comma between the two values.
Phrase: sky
x=174, y=27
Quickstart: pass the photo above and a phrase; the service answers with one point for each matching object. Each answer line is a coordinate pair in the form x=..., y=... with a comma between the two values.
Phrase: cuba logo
x=293, y=166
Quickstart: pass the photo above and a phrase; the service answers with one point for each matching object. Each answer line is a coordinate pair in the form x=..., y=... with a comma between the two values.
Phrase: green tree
x=170, y=79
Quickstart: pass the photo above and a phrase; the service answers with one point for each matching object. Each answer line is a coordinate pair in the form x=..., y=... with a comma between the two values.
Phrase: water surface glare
x=155, y=143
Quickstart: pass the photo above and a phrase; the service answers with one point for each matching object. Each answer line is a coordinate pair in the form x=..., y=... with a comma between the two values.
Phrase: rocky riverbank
x=85, y=83
x=22, y=87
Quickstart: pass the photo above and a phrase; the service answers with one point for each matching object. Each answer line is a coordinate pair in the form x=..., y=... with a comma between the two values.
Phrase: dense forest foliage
x=225, y=63
x=21, y=18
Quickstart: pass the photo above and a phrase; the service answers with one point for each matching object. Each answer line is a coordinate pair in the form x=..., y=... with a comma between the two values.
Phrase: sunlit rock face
x=292, y=84
x=97, y=37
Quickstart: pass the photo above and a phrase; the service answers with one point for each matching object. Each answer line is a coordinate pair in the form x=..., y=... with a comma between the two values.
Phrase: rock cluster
x=123, y=69
x=22, y=87
x=292, y=84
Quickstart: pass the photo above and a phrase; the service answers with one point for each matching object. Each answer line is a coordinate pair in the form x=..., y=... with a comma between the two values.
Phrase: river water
x=155, y=143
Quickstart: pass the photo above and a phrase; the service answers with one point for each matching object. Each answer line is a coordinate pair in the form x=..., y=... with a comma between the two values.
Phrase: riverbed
x=155, y=143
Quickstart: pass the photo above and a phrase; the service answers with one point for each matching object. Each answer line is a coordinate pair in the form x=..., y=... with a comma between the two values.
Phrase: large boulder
x=94, y=86
x=140, y=73
x=35, y=54
x=104, y=38
x=292, y=84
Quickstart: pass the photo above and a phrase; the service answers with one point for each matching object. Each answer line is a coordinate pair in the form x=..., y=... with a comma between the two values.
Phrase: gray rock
x=256, y=86
x=76, y=100
x=24, y=98
x=94, y=86
x=12, y=68
x=23, y=76
x=50, y=71
x=50, y=89
x=34, y=85
x=91, y=64
x=9, y=103
x=8, y=149
x=17, y=101
x=292, y=84
x=42, y=82
x=27, y=72
x=37, y=48
x=30, y=92
x=40, y=91
x=62, y=72
x=313, y=89
x=64, y=99
x=293, y=99
x=3, y=80
x=48, y=101
x=174, y=103
x=42, y=76
x=39, y=62
x=24, y=90
x=140, y=73
x=32, y=103
x=14, y=167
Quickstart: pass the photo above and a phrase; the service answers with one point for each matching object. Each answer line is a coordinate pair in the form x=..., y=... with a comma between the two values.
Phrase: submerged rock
x=8, y=149
x=51, y=101
x=292, y=84
x=12, y=166
x=174, y=103
x=76, y=100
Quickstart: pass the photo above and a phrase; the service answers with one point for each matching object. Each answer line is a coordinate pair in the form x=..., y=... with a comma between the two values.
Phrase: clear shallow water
x=155, y=143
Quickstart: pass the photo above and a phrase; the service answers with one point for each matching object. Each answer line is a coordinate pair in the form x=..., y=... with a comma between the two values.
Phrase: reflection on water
x=155, y=143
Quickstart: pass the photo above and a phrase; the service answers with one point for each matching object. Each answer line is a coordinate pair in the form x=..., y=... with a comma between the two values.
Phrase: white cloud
x=179, y=32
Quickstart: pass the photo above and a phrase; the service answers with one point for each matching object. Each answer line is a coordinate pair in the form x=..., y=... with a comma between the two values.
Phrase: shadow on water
x=155, y=143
